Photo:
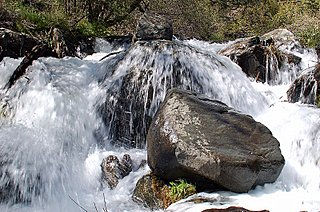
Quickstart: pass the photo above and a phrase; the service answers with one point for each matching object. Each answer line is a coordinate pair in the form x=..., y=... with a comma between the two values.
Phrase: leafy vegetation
x=181, y=189
x=221, y=20
x=84, y=18
x=216, y=20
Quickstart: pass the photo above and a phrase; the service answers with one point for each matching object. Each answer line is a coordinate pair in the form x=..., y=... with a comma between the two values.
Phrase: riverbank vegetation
x=216, y=20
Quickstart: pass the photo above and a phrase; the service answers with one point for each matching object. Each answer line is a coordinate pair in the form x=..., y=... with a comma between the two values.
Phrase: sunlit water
x=49, y=124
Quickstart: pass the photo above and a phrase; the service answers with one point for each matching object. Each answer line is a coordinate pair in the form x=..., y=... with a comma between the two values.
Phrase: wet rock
x=231, y=209
x=212, y=200
x=13, y=44
x=142, y=164
x=293, y=59
x=85, y=47
x=113, y=170
x=152, y=26
x=36, y=52
x=281, y=38
x=151, y=192
x=64, y=43
x=263, y=58
x=133, y=100
x=306, y=88
x=193, y=137
x=13, y=192
x=58, y=43
x=251, y=57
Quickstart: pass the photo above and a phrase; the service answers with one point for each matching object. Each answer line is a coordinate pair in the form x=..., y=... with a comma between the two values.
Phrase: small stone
x=113, y=170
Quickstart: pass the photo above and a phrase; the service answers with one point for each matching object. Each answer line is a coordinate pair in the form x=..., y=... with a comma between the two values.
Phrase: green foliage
x=31, y=19
x=310, y=36
x=36, y=17
x=218, y=20
x=181, y=189
x=96, y=29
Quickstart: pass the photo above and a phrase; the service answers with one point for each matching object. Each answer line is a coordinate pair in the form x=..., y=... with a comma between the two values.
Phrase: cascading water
x=147, y=70
x=57, y=124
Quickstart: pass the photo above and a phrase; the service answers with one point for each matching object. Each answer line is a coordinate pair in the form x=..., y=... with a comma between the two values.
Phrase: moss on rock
x=155, y=193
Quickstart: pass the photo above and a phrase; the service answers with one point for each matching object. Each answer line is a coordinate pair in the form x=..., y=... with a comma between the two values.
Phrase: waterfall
x=59, y=121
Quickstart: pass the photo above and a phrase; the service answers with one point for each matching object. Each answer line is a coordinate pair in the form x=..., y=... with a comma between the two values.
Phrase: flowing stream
x=54, y=132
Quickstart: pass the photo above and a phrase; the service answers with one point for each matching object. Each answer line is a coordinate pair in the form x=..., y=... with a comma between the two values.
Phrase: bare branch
x=78, y=204
x=95, y=207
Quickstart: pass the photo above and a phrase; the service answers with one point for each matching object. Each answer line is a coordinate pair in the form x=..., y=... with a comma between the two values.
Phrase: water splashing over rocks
x=58, y=122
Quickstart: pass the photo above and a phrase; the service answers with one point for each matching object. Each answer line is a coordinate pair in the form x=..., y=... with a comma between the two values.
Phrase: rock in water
x=58, y=43
x=306, y=88
x=151, y=192
x=264, y=58
x=113, y=170
x=196, y=138
x=152, y=26
x=13, y=44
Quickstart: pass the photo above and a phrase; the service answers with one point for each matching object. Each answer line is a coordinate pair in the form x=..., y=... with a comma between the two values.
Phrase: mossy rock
x=154, y=193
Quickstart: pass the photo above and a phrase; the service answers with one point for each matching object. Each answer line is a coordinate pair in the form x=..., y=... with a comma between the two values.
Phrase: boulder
x=113, y=169
x=231, y=209
x=152, y=26
x=262, y=58
x=192, y=137
x=306, y=88
x=13, y=44
x=151, y=192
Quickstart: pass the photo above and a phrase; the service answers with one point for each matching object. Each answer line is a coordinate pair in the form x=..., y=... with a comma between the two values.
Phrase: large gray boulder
x=207, y=142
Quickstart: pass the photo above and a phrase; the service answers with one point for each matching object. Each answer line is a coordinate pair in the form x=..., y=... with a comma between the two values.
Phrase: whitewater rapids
x=49, y=124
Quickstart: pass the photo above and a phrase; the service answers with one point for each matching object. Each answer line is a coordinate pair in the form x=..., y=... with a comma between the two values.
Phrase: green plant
x=310, y=36
x=95, y=29
x=180, y=189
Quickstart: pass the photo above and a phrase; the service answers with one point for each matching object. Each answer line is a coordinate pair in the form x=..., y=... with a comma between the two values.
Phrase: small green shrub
x=310, y=36
x=181, y=189
x=86, y=28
